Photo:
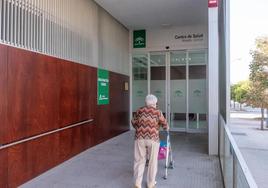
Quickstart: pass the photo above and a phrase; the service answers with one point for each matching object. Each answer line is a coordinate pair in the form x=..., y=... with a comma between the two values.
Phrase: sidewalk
x=110, y=164
x=253, y=143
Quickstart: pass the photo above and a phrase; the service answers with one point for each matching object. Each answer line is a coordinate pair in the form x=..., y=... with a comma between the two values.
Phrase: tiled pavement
x=110, y=165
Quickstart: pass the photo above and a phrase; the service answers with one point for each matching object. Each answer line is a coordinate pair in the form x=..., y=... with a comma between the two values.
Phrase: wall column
x=213, y=81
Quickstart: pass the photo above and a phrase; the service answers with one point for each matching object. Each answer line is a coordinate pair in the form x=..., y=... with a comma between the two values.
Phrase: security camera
x=167, y=47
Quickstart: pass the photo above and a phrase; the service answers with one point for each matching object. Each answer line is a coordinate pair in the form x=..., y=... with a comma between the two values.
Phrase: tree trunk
x=234, y=105
x=262, y=117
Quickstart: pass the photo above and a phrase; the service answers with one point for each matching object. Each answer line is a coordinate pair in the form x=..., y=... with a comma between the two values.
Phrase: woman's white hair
x=150, y=100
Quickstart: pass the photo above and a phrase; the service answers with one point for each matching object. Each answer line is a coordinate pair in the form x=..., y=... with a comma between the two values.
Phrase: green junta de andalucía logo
x=139, y=39
x=178, y=93
x=197, y=93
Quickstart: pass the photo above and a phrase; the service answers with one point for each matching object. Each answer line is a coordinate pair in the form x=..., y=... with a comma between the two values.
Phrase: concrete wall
x=213, y=81
x=113, y=41
x=77, y=30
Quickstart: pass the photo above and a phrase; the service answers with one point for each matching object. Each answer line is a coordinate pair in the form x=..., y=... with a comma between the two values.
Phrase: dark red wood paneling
x=45, y=93
x=87, y=85
x=33, y=94
x=102, y=131
x=3, y=169
x=120, y=103
x=117, y=99
x=68, y=93
x=19, y=168
x=93, y=92
x=86, y=139
x=3, y=94
x=69, y=143
x=93, y=107
x=75, y=140
x=29, y=159
x=47, y=155
x=113, y=119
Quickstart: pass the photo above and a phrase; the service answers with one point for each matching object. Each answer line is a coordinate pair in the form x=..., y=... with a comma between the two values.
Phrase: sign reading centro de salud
x=191, y=37
x=139, y=39
x=103, y=87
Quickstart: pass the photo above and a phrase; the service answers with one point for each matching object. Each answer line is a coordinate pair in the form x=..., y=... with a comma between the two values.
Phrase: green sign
x=103, y=87
x=139, y=39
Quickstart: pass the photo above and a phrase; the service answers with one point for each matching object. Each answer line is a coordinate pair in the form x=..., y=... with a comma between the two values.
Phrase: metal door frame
x=167, y=86
x=168, y=78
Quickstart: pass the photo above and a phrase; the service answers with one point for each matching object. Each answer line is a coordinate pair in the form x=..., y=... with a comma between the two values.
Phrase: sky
x=248, y=20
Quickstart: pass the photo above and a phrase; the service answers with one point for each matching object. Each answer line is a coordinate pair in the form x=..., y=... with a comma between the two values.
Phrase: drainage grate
x=239, y=134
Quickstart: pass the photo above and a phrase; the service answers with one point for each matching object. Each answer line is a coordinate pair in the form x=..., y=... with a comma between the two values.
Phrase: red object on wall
x=212, y=3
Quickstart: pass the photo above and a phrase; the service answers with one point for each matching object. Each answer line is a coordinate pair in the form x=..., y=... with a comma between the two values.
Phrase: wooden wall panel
x=86, y=138
x=87, y=95
x=120, y=103
x=93, y=92
x=33, y=94
x=75, y=140
x=47, y=155
x=69, y=143
x=116, y=89
x=68, y=93
x=103, y=124
x=113, y=119
x=19, y=168
x=3, y=94
x=32, y=158
x=3, y=169
x=45, y=93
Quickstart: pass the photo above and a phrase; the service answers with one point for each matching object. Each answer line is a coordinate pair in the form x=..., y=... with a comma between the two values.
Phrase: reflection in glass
x=158, y=78
x=197, y=90
x=139, y=80
x=178, y=93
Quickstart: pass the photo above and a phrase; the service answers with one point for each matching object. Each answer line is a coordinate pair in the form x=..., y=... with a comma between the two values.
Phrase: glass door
x=158, y=81
x=139, y=80
x=197, y=61
x=179, y=80
x=178, y=91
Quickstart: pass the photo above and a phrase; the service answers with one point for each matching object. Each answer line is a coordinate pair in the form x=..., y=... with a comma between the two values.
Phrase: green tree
x=242, y=92
x=233, y=94
x=239, y=92
x=258, y=95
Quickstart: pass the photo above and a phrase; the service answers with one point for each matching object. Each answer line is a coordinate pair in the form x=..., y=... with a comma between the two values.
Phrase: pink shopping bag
x=162, y=152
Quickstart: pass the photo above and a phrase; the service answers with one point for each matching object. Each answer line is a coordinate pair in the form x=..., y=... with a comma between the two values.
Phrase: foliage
x=258, y=74
x=239, y=91
x=258, y=93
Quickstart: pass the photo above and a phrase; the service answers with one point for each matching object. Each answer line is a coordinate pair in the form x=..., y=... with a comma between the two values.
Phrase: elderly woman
x=147, y=121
